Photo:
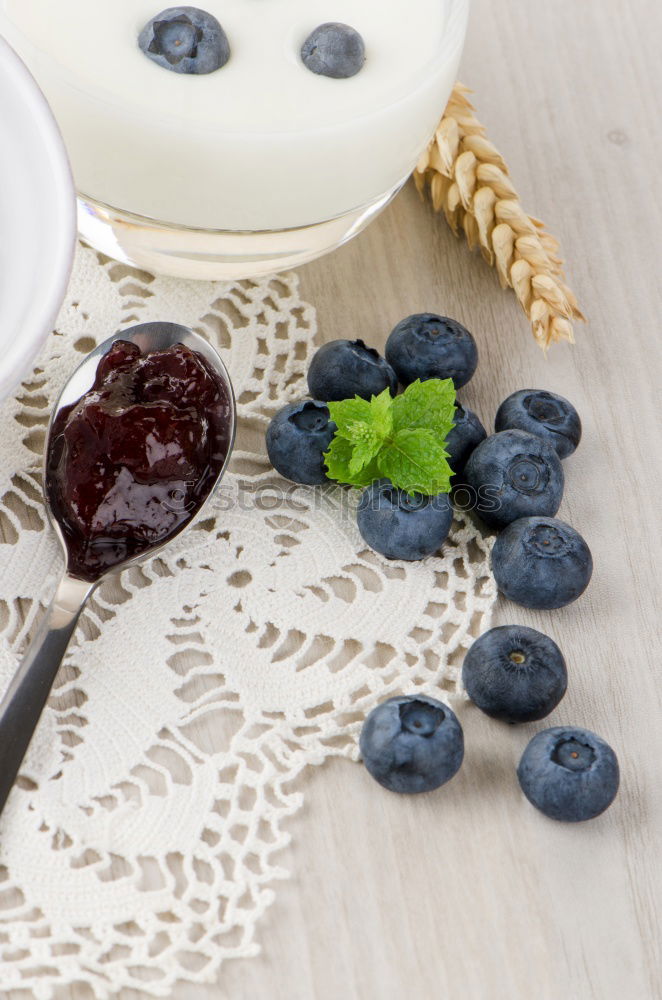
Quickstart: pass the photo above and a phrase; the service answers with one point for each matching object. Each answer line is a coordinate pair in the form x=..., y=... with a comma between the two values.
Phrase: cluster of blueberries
x=516, y=674
x=192, y=41
x=515, y=480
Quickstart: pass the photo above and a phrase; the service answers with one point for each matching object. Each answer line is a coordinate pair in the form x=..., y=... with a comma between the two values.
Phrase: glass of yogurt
x=283, y=151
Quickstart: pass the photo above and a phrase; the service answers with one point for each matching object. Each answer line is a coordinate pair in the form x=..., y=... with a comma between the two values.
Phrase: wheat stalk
x=468, y=179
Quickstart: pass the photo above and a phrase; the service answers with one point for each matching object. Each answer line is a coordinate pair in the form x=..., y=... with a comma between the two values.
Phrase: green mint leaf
x=367, y=475
x=363, y=426
x=340, y=466
x=415, y=460
x=429, y=405
x=381, y=413
x=402, y=439
x=337, y=459
x=359, y=432
x=376, y=414
x=347, y=412
x=366, y=447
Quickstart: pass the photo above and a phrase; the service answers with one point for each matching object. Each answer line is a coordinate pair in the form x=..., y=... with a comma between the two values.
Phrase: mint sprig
x=401, y=439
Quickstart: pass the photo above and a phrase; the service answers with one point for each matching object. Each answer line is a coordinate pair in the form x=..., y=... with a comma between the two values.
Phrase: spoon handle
x=28, y=691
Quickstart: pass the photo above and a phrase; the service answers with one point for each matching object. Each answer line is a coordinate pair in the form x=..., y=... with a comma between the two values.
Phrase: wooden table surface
x=470, y=894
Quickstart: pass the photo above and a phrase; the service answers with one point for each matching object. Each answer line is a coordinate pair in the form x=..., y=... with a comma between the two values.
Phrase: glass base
x=210, y=254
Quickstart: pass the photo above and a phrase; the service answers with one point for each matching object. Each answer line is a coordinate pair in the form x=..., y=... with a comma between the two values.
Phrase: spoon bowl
x=148, y=337
x=28, y=690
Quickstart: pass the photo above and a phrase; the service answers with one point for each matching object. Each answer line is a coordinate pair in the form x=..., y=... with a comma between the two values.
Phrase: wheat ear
x=468, y=178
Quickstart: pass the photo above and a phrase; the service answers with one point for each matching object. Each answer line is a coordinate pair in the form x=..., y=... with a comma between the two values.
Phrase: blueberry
x=403, y=527
x=518, y=474
x=570, y=774
x=544, y=413
x=429, y=346
x=412, y=744
x=185, y=40
x=466, y=434
x=541, y=563
x=297, y=438
x=334, y=50
x=515, y=673
x=343, y=369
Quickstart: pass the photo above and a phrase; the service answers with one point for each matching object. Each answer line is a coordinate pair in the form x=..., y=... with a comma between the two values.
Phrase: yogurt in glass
x=207, y=174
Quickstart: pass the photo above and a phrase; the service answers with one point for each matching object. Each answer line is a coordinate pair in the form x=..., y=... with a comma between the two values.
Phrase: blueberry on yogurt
x=185, y=40
x=334, y=50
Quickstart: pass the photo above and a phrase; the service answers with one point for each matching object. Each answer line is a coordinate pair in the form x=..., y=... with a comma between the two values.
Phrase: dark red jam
x=135, y=458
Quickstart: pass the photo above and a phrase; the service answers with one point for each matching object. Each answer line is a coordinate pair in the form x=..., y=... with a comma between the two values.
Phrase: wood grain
x=470, y=894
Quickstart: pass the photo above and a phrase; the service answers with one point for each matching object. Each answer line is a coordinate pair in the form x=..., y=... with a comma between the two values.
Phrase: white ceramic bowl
x=37, y=220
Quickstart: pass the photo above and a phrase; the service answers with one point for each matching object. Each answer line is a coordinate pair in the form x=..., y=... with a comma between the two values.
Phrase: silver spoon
x=28, y=691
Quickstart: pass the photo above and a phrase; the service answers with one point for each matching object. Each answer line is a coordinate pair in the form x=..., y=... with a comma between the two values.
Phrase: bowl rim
x=54, y=283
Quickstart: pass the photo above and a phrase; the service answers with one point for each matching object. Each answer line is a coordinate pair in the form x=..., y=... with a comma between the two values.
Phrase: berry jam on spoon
x=138, y=443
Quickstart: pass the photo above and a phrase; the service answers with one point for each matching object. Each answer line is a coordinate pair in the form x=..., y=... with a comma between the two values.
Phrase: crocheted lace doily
x=140, y=846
